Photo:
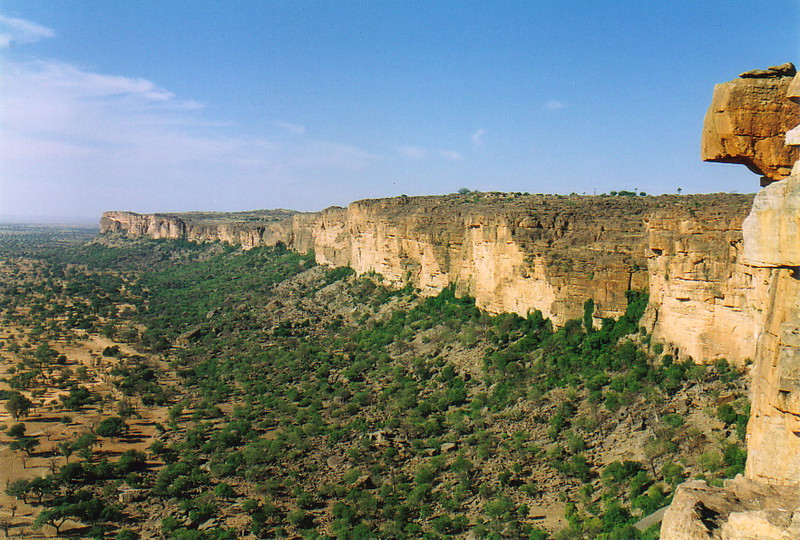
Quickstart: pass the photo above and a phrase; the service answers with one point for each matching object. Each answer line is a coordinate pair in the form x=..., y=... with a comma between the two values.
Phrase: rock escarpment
x=246, y=229
x=748, y=120
x=517, y=253
x=764, y=504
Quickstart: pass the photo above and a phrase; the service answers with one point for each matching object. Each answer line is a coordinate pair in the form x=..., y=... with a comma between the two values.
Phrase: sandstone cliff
x=747, y=123
x=773, y=241
x=765, y=504
x=521, y=253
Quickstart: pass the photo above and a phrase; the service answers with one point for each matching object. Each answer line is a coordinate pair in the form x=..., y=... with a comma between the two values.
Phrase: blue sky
x=175, y=106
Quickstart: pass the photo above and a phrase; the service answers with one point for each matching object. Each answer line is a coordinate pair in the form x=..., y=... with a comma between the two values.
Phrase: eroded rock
x=747, y=122
x=741, y=510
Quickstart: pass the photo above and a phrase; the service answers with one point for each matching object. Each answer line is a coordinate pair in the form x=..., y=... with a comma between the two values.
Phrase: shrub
x=113, y=426
x=711, y=461
x=674, y=420
x=727, y=414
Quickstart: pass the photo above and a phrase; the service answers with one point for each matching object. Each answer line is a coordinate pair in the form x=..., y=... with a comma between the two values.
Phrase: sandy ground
x=47, y=422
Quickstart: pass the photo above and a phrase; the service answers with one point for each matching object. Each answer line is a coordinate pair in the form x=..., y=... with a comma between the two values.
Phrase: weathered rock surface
x=741, y=510
x=704, y=299
x=765, y=505
x=772, y=230
x=772, y=239
x=747, y=122
x=521, y=253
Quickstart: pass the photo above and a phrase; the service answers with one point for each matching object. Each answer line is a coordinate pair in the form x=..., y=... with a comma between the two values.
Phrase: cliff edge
x=521, y=253
x=765, y=503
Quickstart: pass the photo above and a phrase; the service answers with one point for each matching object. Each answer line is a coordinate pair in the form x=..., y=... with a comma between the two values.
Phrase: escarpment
x=519, y=253
x=765, y=503
x=748, y=120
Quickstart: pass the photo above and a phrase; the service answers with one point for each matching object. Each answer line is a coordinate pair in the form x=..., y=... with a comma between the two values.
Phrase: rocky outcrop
x=741, y=510
x=747, y=123
x=517, y=253
x=772, y=240
x=765, y=504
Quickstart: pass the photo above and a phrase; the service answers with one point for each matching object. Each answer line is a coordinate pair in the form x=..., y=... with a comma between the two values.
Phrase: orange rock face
x=517, y=253
x=747, y=123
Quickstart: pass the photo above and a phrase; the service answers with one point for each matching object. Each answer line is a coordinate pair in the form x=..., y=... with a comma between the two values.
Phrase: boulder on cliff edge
x=747, y=124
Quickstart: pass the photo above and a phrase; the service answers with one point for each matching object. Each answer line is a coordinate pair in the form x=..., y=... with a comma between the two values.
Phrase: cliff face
x=704, y=298
x=246, y=229
x=773, y=242
x=518, y=253
x=766, y=502
x=747, y=123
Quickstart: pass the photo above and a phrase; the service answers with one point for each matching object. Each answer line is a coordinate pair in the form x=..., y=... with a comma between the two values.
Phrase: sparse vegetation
x=231, y=393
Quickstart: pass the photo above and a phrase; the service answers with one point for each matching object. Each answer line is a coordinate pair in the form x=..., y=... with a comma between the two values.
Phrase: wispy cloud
x=413, y=152
x=554, y=105
x=477, y=137
x=73, y=137
x=295, y=129
x=451, y=155
x=15, y=31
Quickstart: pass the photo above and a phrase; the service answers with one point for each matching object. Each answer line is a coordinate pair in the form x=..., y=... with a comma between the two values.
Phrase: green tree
x=113, y=426
x=16, y=431
x=26, y=444
x=588, y=312
x=17, y=405
x=55, y=517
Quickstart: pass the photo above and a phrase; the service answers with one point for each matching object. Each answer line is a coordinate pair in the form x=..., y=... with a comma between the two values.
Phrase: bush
x=727, y=414
x=711, y=461
x=674, y=420
x=126, y=534
x=734, y=459
x=113, y=426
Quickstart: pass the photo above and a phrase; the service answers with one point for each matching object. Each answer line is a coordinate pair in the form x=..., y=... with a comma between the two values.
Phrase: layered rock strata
x=747, y=123
x=765, y=504
x=517, y=253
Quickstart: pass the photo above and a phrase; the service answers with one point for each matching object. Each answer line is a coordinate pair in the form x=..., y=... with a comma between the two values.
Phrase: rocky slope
x=519, y=253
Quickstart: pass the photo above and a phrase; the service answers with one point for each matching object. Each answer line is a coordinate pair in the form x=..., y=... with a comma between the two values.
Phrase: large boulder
x=748, y=120
x=741, y=510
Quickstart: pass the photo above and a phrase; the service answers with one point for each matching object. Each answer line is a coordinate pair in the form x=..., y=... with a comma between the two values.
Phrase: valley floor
x=198, y=391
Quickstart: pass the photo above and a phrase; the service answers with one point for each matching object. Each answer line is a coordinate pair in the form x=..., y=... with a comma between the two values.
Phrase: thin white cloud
x=477, y=137
x=291, y=128
x=413, y=152
x=416, y=152
x=15, y=31
x=77, y=82
x=554, y=105
x=75, y=140
x=451, y=155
